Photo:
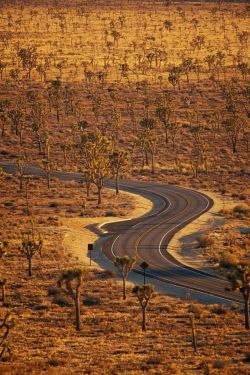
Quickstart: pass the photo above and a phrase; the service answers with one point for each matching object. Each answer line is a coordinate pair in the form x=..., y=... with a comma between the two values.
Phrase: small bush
x=242, y=209
x=219, y=309
x=219, y=364
x=109, y=213
x=8, y=204
x=60, y=301
x=247, y=358
x=106, y=274
x=52, y=291
x=204, y=241
x=54, y=204
x=228, y=260
x=91, y=301
x=154, y=360
x=242, y=197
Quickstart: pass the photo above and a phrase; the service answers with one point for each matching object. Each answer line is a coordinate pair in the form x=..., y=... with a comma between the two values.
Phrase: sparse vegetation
x=152, y=91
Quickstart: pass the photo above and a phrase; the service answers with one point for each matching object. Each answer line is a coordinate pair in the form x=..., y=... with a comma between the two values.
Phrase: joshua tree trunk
x=246, y=304
x=116, y=184
x=57, y=113
x=3, y=293
x=30, y=266
x=153, y=163
x=124, y=287
x=49, y=179
x=143, y=326
x=87, y=188
x=27, y=198
x=77, y=311
x=99, y=195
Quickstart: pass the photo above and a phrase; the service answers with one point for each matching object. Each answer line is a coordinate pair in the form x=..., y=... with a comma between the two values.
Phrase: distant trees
x=71, y=281
x=124, y=265
x=144, y=293
x=28, y=57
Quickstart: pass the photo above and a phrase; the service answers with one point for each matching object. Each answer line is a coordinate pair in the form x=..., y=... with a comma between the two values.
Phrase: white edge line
x=176, y=226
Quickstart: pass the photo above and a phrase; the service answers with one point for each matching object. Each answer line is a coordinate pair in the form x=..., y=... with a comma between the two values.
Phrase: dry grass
x=72, y=39
x=45, y=333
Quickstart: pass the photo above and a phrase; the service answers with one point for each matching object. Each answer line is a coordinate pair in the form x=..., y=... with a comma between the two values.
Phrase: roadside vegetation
x=149, y=91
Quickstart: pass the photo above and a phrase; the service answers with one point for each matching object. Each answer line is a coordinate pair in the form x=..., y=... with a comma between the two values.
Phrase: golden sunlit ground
x=169, y=85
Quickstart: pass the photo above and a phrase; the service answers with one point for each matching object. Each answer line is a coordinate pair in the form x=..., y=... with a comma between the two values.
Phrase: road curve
x=147, y=238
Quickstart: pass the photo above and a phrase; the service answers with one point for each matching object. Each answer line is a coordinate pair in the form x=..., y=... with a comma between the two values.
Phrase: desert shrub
x=8, y=204
x=106, y=274
x=204, y=241
x=242, y=197
x=53, y=291
x=154, y=360
x=60, y=301
x=54, y=362
x=242, y=209
x=40, y=307
x=219, y=364
x=228, y=260
x=247, y=358
x=219, y=309
x=54, y=204
x=92, y=301
x=109, y=213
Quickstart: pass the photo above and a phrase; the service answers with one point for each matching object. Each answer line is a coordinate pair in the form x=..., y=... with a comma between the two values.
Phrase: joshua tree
x=55, y=96
x=6, y=324
x=70, y=281
x=164, y=112
x=124, y=264
x=194, y=339
x=29, y=247
x=97, y=162
x=119, y=160
x=240, y=280
x=144, y=293
x=48, y=166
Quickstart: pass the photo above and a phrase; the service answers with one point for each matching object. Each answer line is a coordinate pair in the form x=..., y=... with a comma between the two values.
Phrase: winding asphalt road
x=147, y=238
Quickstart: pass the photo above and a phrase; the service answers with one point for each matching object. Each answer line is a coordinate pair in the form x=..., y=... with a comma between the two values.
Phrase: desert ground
x=143, y=90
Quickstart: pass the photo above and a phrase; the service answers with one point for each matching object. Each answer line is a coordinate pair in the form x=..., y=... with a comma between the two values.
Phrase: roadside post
x=144, y=266
x=90, y=249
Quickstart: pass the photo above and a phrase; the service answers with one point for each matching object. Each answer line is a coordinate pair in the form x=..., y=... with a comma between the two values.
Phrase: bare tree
x=70, y=281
